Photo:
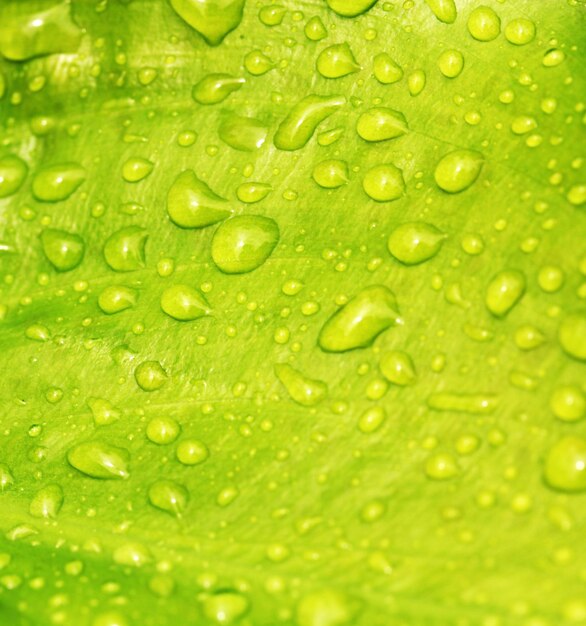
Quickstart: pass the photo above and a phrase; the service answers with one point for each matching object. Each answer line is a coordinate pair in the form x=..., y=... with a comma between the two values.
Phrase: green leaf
x=282, y=347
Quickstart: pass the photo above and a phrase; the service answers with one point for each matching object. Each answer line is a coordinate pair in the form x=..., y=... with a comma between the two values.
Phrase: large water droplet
x=150, y=375
x=484, y=24
x=225, y=607
x=136, y=169
x=253, y=192
x=99, y=460
x=572, y=335
x=415, y=242
x=504, y=291
x=386, y=70
x=215, y=88
x=64, y=250
x=192, y=204
x=163, y=430
x=212, y=19
x=47, y=502
x=103, y=411
x=350, y=8
x=326, y=607
x=117, y=298
x=457, y=170
x=124, y=250
x=13, y=171
x=565, y=465
x=444, y=10
x=330, y=174
x=397, y=367
x=57, y=182
x=244, y=243
x=302, y=389
x=384, y=183
x=520, y=31
x=300, y=124
x=184, y=303
x=451, y=63
x=169, y=496
x=242, y=133
x=336, y=61
x=380, y=124
x=360, y=321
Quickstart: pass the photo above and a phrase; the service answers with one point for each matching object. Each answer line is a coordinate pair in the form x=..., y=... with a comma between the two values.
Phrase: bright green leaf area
x=361, y=405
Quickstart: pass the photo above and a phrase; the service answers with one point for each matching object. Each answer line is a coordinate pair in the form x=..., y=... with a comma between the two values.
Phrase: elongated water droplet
x=444, y=10
x=565, y=465
x=504, y=291
x=572, y=335
x=415, y=242
x=192, y=204
x=303, y=390
x=451, y=63
x=242, y=133
x=117, y=298
x=360, y=321
x=397, y=367
x=47, y=502
x=350, y=8
x=136, y=169
x=13, y=171
x=124, y=250
x=64, y=250
x=384, y=183
x=184, y=303
x=300, y=124
x=57, y=182
x=457, y=170
x=325, y=607
x=386, y=70
x=244, y=243
x=26, y=33
x=213, y=20
x=99, y=460
x=476, y=403
x=169, y=496
x=150, y=375
x=484, y=24
x=253, y=192
x=103, y=411
x=225, y=607
x=215, y=88
x=6, y=477
x=380, y=124
x=371, y=419
x=330, y=174
x=336, y=61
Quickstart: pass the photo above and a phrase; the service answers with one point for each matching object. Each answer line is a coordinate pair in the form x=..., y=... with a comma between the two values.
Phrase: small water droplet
x=397, y=367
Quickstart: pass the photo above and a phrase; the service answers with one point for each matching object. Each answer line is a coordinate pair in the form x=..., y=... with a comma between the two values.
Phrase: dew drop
x=99, y=460
x=136, y=169
x=504, y=292
x=150, y=375
x=192, y=452
x=484, y=24
x=253, y=192
x=451, y=63
x=520, y=31
x=184, y=303
x=565, y=465
x=303, y=390
x=572, y=335
x=384, y=183
x=213, y=20
x=124, y=250
x=336, y=61
x=168, y=496
x=117, y=298
x=330, y=174
x=57, y=182
x=381, y=124
x=397, y=367
x=47, y=502
x=13, y=171
x=163, y=430
x=326, y=607
x=444, y=10
x=415, y=242
x=215, y=88
x=63, y=250
x=568, y=403
x=458, y=170
x=242, y=133
x=225, y=607
x=386, y=70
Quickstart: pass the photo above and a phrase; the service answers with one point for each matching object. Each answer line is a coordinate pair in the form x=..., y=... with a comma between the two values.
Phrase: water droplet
x=272, y=15
x=451, y=63
x=6, y=477
x=37, y=332
x=168, y=496
x=381, y=124
x=117, y=298
x=63, y=250
x=124, y=250
x=550, y=278
x=350, y=8
x=110, y=618
x=225, y=607
x=302, y=120
x=504, y=291
x=215, y=88
x=565, y=465
x=163, y=430
x=371, y=419
x=568, y=403
x=523, y=124
x=13, y=171
x=192, y=204
x=384, y=183
x=360, y=321
x=553, y=57
x=336, y=61
x=25, y=33
x=386, y=70
x=441, y=467
x=213, y=20
x=303, y=390
x=57, y=182
x=150, y=375
x=257, y=63
x=577, y=195
x=314, y=29
x=326, y=607
x=415, y=242
x=133, y=554
x=572, y=335
x=184, y=303
x=457, y=170
x=475, y=403
x=253, y=192
x=484, y=24
x=416, y=82
x=103, y=411
x=397, y=367
x=244, y=243
x=330, y=174
x=528, y=337
x=520, y=31
x=444, y=10
x=192, y=452
x=242, y=133
x=47, y=502
x=99, y=460
x=136, y=169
